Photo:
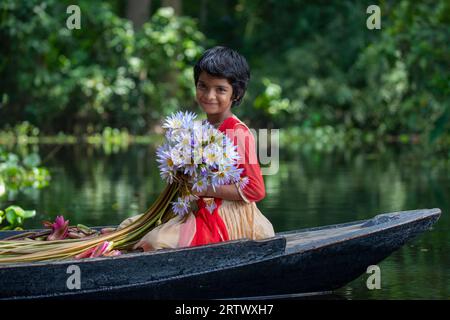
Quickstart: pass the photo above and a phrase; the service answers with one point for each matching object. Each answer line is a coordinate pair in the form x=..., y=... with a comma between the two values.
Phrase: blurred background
x=364, y=115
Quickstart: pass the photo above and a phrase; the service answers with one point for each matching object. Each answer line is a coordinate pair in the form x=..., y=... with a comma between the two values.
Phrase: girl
x=221, y=77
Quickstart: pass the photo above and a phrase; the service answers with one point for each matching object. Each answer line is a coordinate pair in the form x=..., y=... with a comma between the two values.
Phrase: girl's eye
x=222, y=90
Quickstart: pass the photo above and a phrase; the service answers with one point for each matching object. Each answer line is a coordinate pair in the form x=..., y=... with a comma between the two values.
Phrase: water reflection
x=95, y=187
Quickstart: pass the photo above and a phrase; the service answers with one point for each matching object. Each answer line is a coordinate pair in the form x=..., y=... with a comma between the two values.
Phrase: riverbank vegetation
x=317, y=71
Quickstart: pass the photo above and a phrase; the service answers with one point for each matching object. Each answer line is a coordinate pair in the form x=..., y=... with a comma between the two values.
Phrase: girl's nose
x=211, y=95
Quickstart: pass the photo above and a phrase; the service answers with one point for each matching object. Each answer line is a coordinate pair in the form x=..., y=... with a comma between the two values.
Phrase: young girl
x=221, y=77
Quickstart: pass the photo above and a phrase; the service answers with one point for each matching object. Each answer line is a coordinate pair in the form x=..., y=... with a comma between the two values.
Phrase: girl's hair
x=223, y=62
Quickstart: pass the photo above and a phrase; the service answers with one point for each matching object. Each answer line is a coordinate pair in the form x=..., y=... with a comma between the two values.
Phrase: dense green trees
x=103, y=74
x=332, y=70
x=314, y=64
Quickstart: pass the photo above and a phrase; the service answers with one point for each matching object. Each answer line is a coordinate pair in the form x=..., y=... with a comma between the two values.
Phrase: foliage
x=406, y=71
x=17, y=174
x=104, y=74
x=314, y=64
x=321, y=66
x=13, y=217
x=22, y=132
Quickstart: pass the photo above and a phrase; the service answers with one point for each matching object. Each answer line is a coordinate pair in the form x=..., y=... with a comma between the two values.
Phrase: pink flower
x=60, y=228
x=103, y=249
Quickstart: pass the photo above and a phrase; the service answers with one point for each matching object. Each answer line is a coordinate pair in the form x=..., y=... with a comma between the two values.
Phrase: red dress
x=230, y=220
x=210, y=227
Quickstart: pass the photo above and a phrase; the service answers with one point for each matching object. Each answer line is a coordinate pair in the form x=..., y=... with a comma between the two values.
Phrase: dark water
x=100, y=187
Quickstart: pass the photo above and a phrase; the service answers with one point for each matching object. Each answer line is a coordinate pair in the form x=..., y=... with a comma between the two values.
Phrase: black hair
x=223, y=62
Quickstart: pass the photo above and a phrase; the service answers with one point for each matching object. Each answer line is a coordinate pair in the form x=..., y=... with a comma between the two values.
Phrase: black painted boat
x=309, y=260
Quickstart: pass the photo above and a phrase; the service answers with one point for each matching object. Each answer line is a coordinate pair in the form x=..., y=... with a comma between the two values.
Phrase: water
x=94, y=186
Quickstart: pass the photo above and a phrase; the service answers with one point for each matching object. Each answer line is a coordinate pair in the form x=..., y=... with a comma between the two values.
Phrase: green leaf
x=15, y=215
x=29, y=214
x=16, y=210
x=85, y=229
x=11, y=217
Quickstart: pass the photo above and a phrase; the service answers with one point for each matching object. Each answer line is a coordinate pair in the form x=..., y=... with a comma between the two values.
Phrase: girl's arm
x=225, y=192
x=255, y=190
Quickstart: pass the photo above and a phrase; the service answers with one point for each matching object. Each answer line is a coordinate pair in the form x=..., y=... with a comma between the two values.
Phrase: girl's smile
x=214, y=95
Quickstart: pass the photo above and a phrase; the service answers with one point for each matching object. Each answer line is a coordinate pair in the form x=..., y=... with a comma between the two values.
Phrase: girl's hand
x=200, y=193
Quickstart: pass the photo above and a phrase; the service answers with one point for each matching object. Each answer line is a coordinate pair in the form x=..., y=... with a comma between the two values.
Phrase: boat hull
x=310, y=260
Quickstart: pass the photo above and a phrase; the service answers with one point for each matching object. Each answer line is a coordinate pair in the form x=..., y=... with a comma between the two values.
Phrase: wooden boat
x=301, y=261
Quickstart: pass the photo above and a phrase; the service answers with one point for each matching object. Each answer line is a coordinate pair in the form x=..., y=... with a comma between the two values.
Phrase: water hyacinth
x=196, y=155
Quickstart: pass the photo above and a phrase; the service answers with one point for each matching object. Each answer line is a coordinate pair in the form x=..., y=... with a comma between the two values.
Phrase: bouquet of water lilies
x=194, y=156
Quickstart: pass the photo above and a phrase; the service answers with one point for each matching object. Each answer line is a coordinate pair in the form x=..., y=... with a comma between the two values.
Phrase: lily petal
x=103, y=249
x=60, y=229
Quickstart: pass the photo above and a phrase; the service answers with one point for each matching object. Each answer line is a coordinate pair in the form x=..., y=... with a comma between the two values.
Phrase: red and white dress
x=230, y=220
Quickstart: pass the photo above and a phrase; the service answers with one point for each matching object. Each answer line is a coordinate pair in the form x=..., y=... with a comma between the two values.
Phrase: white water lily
x=185, y=139
x=179, y=120
x=211, y=154
x=176, y=155
x=200, y=185
x=181, y=206
x=196, y=155
x=214, y=136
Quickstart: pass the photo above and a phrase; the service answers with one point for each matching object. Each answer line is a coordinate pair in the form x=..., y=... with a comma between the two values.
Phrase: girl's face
x=213, y=94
